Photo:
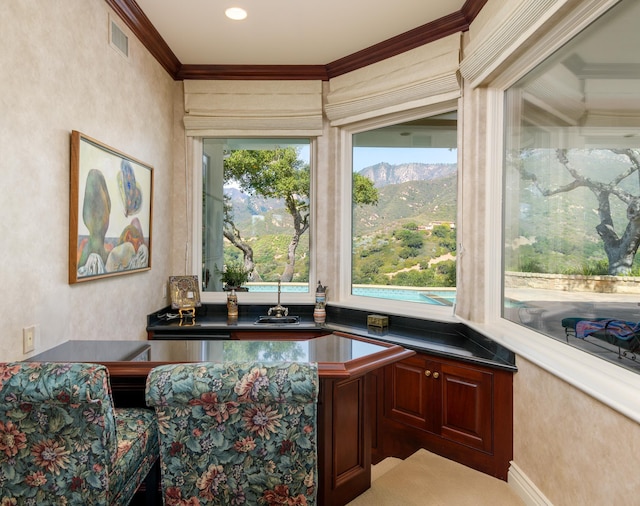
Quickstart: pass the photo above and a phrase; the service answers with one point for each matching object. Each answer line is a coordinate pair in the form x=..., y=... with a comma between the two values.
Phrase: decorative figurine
x=319, y=312
x=232, y=304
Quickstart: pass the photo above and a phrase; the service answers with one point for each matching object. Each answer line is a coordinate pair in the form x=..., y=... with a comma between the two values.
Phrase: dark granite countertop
x=453, y=340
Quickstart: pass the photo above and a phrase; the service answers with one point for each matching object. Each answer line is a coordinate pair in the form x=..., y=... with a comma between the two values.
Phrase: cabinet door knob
x=436, y=375
x=427, y=373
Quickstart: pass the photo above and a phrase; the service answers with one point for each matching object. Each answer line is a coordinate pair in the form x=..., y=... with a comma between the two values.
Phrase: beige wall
x=60, y=74
x=576, y=450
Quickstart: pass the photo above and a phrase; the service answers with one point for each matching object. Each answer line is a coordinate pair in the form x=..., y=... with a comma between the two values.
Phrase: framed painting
x=110, y=211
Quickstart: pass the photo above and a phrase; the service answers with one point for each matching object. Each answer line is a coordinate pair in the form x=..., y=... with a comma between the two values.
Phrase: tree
x=279, y=174
x=233, y=235
x=620, y=250
x=364, y=191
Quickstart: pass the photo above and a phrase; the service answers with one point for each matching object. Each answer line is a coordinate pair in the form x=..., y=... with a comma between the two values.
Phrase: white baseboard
x=525, y=488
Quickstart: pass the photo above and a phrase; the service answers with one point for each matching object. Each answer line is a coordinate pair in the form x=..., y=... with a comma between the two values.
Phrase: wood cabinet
x=460, y=410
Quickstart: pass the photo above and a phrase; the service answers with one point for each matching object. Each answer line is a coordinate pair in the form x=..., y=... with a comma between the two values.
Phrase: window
x=255, y=213
x=404, y=196
x=571, y=192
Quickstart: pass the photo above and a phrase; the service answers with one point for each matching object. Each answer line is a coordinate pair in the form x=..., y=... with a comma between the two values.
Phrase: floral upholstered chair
x=236, y=433
x=62, y=442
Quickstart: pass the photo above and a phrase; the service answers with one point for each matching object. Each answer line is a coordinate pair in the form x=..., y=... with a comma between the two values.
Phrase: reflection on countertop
x=330, y=348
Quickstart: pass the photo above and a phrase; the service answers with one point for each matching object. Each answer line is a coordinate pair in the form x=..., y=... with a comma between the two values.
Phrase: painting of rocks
x=110, y=211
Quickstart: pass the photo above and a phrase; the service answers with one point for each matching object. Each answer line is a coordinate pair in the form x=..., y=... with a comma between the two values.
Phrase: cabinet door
x=467, y=405
x=409, y=395
x=451, y=400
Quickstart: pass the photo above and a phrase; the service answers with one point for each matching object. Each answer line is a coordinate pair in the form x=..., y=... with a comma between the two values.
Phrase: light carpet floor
x=425, y=478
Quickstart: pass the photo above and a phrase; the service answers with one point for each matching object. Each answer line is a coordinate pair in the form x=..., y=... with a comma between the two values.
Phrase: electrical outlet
x=164, y=290
x=29, y=338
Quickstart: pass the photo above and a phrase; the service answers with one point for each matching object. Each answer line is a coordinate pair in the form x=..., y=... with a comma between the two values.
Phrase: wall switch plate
x=29, y=338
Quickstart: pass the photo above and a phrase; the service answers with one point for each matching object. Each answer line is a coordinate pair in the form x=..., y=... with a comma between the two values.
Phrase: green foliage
x=274, y=173
x=383, y=247
x=409, y=239
x=593, y=268
x=420, y=202
x=233, y=274
x=401, y=258
x=447, y=272
x=270, y=256
x=267, y=349
x=364, y=192
x=446, y=236
x=532, y=265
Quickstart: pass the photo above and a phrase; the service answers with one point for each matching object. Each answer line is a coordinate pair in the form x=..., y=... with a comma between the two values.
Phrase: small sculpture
x=319, y=312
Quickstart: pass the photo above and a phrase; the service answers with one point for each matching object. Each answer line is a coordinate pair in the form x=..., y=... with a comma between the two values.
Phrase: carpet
x=425, y=478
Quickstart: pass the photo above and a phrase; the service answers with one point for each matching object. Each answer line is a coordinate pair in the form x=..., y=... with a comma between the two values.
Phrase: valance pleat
x=422, y=76
x=253, y=107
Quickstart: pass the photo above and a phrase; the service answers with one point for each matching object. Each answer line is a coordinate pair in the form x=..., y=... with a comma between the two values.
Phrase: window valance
x=506, y=27
x=223, y=108
x=420, y=77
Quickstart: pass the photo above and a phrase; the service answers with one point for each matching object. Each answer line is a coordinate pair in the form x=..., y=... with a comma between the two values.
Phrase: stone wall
x=573, y=283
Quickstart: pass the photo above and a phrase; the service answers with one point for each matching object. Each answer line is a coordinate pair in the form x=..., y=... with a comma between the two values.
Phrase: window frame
x=344, y=296
x=612, y=385
x=196, y=251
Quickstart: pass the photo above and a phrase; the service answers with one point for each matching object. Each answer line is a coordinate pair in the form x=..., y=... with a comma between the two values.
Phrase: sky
x=368, y=156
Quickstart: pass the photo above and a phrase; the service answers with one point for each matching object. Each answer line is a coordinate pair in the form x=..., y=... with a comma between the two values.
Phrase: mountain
x=383, y=174
x=418, y=192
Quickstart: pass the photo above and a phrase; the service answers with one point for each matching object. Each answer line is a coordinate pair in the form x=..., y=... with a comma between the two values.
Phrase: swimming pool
x=273, y=287
x=423, y=295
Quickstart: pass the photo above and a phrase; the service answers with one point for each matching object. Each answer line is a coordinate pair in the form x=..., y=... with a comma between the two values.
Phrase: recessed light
x=236, y=13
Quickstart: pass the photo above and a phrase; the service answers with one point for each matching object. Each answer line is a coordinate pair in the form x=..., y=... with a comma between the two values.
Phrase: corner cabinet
x=460, y=410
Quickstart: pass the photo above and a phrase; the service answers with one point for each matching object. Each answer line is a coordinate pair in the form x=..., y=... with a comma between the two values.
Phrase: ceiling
x=285, y=32
x=194, y=38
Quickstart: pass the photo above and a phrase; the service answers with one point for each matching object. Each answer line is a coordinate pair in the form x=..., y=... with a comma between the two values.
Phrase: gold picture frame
x=185, y=292
x=110, y=211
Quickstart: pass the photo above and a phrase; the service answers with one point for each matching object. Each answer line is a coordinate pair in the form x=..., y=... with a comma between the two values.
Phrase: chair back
x=236, y=433
x=57, y=433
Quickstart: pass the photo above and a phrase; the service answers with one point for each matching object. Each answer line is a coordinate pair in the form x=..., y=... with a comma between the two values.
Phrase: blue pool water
x=273, y=288
x=423, y=295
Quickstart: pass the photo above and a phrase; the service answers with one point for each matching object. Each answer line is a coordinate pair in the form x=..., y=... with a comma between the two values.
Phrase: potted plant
x=233, y=276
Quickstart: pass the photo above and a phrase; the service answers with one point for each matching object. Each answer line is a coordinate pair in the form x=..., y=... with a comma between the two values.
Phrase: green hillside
x=394, y=242
x=422, y=202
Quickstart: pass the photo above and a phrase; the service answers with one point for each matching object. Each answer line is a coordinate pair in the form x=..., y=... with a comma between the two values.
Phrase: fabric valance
x=416, y=78
x=222, y=108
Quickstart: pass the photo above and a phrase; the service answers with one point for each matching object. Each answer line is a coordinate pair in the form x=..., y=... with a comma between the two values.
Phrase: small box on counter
x=377, y=324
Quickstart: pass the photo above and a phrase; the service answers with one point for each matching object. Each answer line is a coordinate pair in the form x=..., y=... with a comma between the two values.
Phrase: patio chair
x=625, y=335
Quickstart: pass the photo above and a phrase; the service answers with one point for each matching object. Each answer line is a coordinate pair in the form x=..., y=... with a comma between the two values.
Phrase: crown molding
x=399, y=44
x=140, y=25
x=253, y=72
x=471, y=9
